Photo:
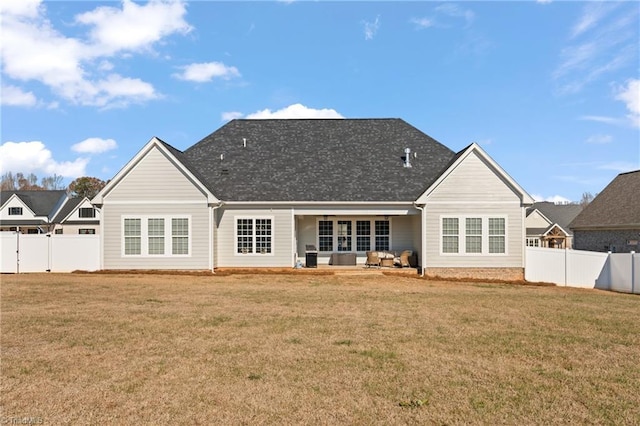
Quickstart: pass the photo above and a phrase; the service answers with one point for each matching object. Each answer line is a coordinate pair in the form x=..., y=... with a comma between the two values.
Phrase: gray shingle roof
x=562, y=214
x=67, y=209
x=42, y=203
x=317, y=160
x=618, y=205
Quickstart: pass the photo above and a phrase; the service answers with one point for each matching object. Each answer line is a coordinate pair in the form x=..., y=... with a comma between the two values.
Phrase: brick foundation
x=506, y=274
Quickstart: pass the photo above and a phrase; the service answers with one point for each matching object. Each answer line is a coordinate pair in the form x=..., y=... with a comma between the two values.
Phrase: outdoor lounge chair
x=372, y=259
x=404, y=258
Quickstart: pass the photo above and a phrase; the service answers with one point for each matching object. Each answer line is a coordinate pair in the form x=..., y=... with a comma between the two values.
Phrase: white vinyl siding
x=142, y=182
x=474, y=190
x=198, y=242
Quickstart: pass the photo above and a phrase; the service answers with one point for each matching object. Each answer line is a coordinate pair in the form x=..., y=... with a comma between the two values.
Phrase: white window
x=368, y=234
x=450, y=235
x=132, y=236
x=325, y=235
x=344, y=235
x=179, y=235
x=382, y=235
x=149, y=236
x=479, y=236
x=254, y=236
x=81, y=231
x=15, y=211
x=533, y=242
x=363, y=235
x=497, y=235
x=473, y=240
x=155, y=232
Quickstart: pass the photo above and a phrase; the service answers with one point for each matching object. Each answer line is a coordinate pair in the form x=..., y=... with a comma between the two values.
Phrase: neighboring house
x=548, y=224
x=77, y=216
x=611, y=222
x=257, y=193
x=41, y=212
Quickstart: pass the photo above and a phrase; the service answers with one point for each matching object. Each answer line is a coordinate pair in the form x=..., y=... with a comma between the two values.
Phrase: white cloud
x=618, y=166
x=422, y=23
x=94, y=146
x=544, y=1
x=14, y=96
x=604, y=39
x=601, y=119
x=600, y=139
x=592, y=13
x=371, y=28
x=455, y=11
x=134, y=27
x=559, y=199
x=231, y=115
x=296, y=111
x=207, y=71
x=74, y=67
x=24, y=8
x=630, y=95
x=34, y=157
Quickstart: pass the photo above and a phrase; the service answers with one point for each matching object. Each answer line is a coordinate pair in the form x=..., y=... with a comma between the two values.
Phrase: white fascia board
x=153, y=143
x=525, y=198
x=321, y=203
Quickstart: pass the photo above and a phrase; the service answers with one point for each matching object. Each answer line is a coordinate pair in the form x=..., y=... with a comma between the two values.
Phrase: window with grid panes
x=244, y=232
x=155, y=231
x=473, y=238
x=363, y=235
x=497, y=235
x=180, y=235
x=450, y=235
x=344, y=235
x=325, y=235
x=382, y=235
x=132, y=236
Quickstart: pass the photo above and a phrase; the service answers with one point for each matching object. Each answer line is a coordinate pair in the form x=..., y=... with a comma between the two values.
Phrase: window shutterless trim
x=254, y=235
x=144, y=235
x=462, y=234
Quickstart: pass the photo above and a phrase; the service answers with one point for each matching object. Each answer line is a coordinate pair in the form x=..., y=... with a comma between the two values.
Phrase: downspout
x=212, y=241
x=423, y=241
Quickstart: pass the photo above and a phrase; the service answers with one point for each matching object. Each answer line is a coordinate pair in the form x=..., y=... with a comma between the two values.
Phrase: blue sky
x=550, y=89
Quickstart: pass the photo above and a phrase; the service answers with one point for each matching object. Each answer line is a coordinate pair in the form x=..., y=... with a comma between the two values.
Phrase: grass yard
x=307, y=349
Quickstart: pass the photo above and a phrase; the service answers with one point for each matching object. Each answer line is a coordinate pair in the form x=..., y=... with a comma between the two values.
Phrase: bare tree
x=586, y=199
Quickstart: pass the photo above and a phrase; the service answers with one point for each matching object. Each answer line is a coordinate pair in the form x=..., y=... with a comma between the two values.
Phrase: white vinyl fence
x=587, y=269
x=48, y=253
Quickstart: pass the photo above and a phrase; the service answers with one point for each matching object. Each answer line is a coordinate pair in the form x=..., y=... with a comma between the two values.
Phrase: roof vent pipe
x=244, y=142
x=407, y=155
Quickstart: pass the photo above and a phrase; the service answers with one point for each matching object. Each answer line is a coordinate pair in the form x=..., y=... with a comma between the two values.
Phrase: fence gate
x=48, y=252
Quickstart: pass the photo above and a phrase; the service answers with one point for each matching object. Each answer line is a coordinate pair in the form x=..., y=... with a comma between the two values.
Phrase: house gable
x=470, y=178
x=16, y=202
x=155, y=163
